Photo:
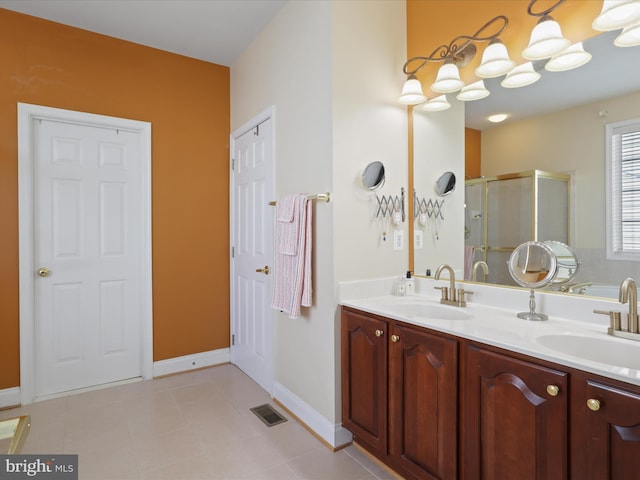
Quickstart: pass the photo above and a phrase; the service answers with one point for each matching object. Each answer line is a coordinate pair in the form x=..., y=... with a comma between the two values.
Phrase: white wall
x=438, y=141
x=333, y=70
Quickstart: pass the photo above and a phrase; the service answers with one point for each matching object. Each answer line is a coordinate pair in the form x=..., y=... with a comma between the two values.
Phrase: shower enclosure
x=505, y=211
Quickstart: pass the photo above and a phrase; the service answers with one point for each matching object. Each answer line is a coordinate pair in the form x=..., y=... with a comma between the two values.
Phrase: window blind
x=625, y=188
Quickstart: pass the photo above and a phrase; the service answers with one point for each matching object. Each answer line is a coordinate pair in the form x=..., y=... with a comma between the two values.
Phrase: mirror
x=567, y=262
x=570, y=141
x=373, y=176
x=533, y=265
x=446, y=184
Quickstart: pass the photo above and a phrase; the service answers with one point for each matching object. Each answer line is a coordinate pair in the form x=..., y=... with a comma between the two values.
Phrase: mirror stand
x=533, y=265
x=531, y=314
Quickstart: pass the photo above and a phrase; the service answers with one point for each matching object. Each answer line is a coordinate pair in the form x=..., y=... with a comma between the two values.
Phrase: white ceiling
x=216, y=31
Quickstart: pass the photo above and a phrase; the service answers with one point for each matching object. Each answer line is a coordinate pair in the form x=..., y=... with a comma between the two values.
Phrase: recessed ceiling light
x=497, y=118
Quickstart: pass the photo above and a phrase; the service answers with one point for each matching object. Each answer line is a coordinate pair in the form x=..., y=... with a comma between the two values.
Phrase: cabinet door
x=514, y=426
x=423, y=403
x=364, y=378
x=607, y=444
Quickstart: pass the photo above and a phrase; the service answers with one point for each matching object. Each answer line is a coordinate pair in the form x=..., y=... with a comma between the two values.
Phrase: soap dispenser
x=410, y=286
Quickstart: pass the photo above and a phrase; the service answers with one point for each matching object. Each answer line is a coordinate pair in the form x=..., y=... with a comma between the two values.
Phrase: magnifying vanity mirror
x=570, y=141
x=533, y=265
x=446, y=184
x=567, y=262
x=373, y=176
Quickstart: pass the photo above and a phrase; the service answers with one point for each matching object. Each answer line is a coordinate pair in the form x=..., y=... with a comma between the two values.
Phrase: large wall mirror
x=556, y=125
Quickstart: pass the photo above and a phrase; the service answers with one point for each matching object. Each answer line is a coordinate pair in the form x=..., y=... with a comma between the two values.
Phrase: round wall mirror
x=533, y=265
x=566, y=259
x=373, y=175
x=446, y=184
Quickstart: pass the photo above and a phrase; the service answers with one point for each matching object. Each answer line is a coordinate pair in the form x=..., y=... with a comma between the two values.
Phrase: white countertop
x=550, y=340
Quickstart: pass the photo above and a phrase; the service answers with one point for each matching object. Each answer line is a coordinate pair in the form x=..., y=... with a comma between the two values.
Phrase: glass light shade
x=572, y=57
x=521, y=76
x=412, y=92
x=495, y=61
x=630, y=36
x=437, y=104
x=448, y=79
x=473, y=91
x=546, y=40
x=617, y=14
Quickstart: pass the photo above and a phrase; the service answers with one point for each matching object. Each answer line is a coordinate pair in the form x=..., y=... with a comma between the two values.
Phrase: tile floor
x=195, y=425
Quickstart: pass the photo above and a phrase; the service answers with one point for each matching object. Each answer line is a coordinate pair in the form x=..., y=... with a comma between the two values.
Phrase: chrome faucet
x=629, y=293
x=449, y=294
x=485, y=269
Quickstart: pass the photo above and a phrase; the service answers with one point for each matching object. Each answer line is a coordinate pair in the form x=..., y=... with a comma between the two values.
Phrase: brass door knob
x=264, y=270
x=395, y=338
x=593, y=404
x=553, y=390
x=43, y=272
x=379, y=333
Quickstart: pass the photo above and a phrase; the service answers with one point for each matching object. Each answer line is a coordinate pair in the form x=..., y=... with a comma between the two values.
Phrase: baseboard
x=333, y=434
x=10, y=397
x=190, y=362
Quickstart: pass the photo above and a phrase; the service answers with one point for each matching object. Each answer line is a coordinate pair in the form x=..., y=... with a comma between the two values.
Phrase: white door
x=252, y=242
x=89, y=286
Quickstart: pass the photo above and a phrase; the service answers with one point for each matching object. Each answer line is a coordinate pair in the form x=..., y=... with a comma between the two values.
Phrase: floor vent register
x=268, y=415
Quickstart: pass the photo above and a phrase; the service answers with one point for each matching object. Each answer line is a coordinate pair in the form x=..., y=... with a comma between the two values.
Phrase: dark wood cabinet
x=364, y=379
x=423, y=403
x=399, y=394
x=605, y=438
x=436, y=406
x=515, y=418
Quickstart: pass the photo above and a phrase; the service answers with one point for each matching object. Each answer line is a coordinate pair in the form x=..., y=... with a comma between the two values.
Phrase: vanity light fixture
x=521, y=76
x=546, y=37
x=458, y=53
x=473, y=91
x=412, y=92
x=617, y=14
x=630, y=36
x=436, y=104
x=570, y=58
x=448, y=78
x=495, y=60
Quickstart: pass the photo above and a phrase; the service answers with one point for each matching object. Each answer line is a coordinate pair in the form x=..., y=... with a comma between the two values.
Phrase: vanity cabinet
x=364, y=379
x=423, y=412
x=415, y=431
x=515, y=418
x=605, y=437
x=436, y=406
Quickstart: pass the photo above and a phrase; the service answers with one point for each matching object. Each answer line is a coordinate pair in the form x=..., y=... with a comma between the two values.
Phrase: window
x=623, y=190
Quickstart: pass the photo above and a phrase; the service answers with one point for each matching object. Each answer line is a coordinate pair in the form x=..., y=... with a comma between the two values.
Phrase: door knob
x=395, y=338
x=43, y=272
x=379, y=333
x=264, y=270
x=553, y=390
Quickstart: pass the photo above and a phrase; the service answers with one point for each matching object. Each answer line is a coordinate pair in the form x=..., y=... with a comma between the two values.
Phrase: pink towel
x=468, y=261
x=288, y=228
x=293, y=270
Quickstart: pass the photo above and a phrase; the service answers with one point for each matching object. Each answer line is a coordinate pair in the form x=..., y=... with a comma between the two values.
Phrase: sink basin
x=423, y=310
x=620, y=353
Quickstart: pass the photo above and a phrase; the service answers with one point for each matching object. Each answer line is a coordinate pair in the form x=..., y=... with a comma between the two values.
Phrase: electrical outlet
x=398, y=240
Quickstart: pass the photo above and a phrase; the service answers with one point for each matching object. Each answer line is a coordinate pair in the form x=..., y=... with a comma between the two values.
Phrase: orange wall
x=435, y=22
x=472, y=152
x=187, y=102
